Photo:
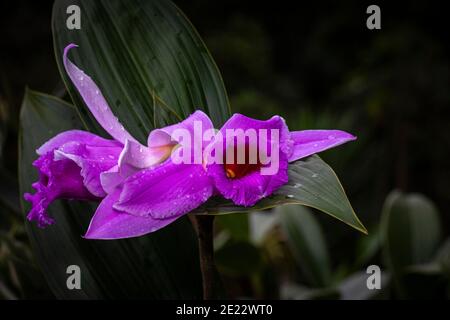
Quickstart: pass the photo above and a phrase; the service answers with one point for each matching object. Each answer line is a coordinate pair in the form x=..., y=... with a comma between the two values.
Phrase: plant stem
x=204, y=225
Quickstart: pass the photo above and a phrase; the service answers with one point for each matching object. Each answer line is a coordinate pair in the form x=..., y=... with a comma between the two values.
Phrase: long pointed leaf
x=307, y=242
x=146, y=58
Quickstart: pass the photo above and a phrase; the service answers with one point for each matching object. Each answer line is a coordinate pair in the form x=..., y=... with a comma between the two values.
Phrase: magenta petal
x=57, y=179
x=308, y=142
x=239, y=121
x=248, y=190
x=165, y=191
x=163, y=136
x=93, y=155
x=254, y=186
x=69, y=167
x=133, y=158
x=111, y=179
x=94, y=99
x=138, y=156
x=74, y=136
x=108, y=223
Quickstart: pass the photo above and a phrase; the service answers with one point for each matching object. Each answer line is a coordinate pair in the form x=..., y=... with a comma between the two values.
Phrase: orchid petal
x=165, y=191
x=308, y=142
x=94, y=99
x=252, y=187
x=109, y=223
x=93, y=155
x=164, y=136
x=69, y=167
x=133, y=158
x=57, y=179
x=111, y=179
x=240, y=121
x=71, y=136
x=91, y=167
x=142, y=157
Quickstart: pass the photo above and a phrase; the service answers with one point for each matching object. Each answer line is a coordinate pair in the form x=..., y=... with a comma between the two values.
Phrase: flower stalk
x=204, y=226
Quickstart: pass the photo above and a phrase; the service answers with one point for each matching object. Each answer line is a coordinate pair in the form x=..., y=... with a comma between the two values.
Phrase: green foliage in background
x=415, y=264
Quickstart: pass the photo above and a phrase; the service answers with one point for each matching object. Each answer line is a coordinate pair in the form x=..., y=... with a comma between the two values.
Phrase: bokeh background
x=320, y=67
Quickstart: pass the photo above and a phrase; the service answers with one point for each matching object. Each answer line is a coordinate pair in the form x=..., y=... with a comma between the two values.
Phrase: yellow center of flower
x=237, y=170
x=230, y=173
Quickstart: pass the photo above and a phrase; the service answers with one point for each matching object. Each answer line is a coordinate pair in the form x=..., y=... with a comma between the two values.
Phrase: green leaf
x=311, y=183
x=147, y=59
x=307, y=243
x=440, y=264
x=411, y=229
x=148, y=266
x=410, y=232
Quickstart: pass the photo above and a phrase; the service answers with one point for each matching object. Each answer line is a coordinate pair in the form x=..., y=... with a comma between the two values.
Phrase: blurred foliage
x=318, y=66
x=19, y=275
x=406, y=245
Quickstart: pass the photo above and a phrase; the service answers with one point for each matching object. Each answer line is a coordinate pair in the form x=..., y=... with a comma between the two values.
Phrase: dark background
x=317, y=65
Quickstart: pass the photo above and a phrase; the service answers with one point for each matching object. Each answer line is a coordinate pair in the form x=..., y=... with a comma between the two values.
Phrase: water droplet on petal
x=290, y=196
x=314, y=175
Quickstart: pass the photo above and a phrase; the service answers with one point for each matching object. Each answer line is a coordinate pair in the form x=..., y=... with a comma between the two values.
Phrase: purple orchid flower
x=171, y=190
x=142, y=187
x=71, y=164
x=244, y=184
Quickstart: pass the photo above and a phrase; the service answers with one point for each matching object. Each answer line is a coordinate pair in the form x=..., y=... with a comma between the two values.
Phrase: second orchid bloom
x=144, y=188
